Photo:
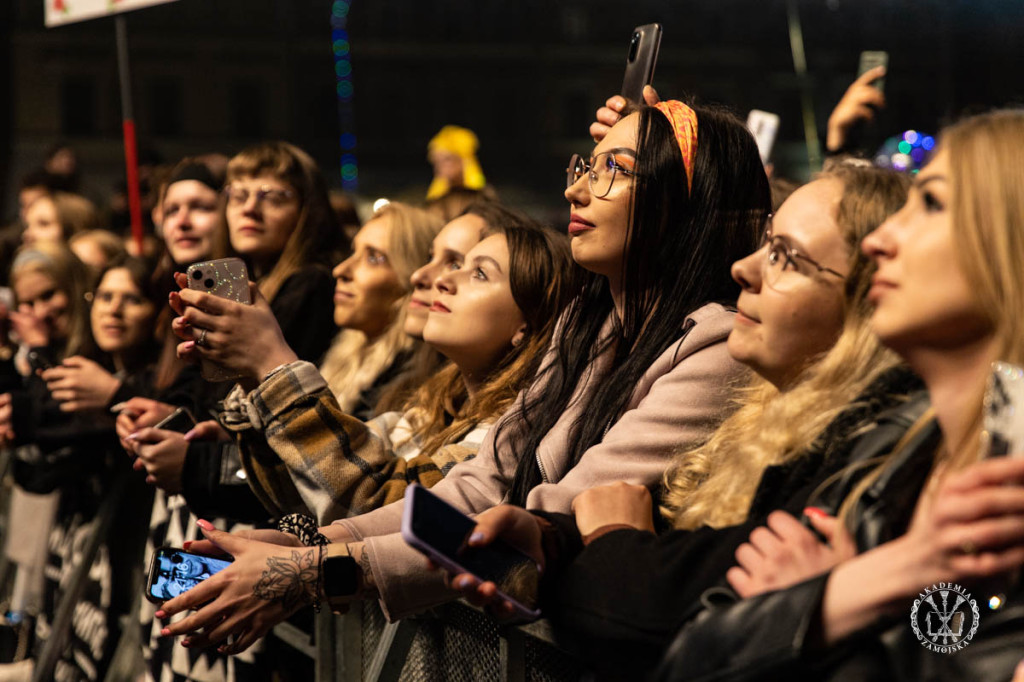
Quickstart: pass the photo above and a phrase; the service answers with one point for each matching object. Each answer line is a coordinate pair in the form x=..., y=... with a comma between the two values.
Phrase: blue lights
x=342, y=51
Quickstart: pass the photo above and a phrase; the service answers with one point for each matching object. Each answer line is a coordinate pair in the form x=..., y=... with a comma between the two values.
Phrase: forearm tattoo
x=290, y=581
x=369, y=584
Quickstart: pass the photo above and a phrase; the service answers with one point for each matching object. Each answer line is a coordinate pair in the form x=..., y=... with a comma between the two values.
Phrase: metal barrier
x=455, y=642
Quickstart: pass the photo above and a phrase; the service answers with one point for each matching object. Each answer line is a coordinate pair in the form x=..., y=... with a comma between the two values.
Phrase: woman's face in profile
x=447, y=253
x=366, y=286
x=922, y=297
x=789, y=311
x=474, y=317
x=599, y=225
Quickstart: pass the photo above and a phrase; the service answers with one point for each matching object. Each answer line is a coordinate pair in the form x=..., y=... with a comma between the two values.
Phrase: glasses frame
x=578, y=167
x=261, y=194
x=791, y=254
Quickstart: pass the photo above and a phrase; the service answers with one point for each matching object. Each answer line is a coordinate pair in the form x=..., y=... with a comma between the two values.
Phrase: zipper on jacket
x=540, y=465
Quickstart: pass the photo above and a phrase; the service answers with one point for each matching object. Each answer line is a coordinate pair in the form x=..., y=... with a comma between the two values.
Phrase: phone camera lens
x=197, y=274
x=209, y=283
x=633, y=44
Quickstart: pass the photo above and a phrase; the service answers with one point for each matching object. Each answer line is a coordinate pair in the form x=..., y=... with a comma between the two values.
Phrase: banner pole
x=131, y=154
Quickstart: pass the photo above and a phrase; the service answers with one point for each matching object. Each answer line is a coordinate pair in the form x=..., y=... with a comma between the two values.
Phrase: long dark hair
x=680, y=246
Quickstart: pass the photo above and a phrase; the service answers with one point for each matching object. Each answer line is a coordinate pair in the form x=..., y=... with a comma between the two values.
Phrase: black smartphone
x=181, y=421
x=174, y=571
x=439, y=530
x=869, y=59
x=640, y=61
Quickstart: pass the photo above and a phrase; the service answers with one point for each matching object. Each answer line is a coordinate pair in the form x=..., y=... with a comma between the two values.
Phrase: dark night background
x=214, y=75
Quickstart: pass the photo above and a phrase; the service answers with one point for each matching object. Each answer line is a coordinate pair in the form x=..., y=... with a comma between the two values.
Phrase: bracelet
x=305, y=528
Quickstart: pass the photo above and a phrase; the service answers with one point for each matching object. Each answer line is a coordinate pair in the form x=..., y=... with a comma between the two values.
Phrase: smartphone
x=869, y=59
x=174, y=571
x=640, y=61
x=227, y=278
x=181, y=421
x=1003, y=423
x=764, y=126
x=439, y=530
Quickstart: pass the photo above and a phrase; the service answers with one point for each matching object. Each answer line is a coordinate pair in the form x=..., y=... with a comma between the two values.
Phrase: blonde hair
x=353, y=363
x=316, y=237
x=987, y=213
x=714, y=484
x=57, y=262
x=75, y=213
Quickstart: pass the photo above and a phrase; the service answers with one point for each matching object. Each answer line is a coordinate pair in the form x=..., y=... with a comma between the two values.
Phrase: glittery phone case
x=1003, y=432
x=226, y=278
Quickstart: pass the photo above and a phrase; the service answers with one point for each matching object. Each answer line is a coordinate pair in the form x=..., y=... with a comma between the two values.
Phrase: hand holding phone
x=174, y=571
x=226, y=278
x=640, y=61
x=441, y=532
x=179, y=421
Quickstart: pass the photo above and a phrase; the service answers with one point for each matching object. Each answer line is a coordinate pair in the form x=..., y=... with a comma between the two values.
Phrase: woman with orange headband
x=638, y=369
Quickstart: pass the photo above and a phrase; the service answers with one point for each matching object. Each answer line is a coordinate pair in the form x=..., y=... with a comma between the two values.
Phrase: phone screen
x=446, y=530
x=1003, y=431
x=175, y=571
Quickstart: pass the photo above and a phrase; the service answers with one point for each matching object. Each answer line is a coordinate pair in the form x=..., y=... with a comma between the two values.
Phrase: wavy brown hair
x=540, y=265
x=714, y=484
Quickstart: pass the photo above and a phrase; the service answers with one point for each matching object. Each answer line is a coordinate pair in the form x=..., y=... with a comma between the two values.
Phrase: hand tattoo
x=290, y=581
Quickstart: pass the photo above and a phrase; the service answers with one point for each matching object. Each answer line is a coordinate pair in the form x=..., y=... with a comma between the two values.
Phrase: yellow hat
x=463, y=143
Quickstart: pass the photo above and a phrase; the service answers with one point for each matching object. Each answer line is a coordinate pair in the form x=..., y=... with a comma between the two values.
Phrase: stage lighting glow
x=342, y=49
x=911, y=136
x=928, y=143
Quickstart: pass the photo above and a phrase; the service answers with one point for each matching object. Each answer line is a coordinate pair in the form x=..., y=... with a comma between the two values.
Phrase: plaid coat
x=302, y=453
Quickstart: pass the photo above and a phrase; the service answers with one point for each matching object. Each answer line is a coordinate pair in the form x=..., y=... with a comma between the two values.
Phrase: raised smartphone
x=181, y=421
x=174, y=571
x=1003, y=424
x=869, y=59
x=226, y=278
x=640, y=61
x=764, y=126
x=439, y=530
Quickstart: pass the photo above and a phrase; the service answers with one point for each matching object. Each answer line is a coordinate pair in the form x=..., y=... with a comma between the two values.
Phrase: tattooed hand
x=265, y=584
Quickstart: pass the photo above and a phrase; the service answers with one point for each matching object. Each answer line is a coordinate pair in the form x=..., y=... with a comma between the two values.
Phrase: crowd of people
x=739, y=426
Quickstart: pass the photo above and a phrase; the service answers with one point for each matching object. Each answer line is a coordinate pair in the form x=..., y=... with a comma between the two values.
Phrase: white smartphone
x=1003, y=427
x=439, y=530
x=764, y=126
x=226, y=278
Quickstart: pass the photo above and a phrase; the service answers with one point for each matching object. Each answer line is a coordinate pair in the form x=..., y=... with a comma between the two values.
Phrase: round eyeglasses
x=600, y=169
x=239, y=196
x=783, y=261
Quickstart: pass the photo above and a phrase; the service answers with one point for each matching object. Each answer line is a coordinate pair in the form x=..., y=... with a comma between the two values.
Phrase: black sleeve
x=212, y=487
x=758, y=638
x=304, y=308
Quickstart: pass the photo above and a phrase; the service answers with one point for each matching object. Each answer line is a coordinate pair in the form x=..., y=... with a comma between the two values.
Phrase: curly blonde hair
x=714, y=484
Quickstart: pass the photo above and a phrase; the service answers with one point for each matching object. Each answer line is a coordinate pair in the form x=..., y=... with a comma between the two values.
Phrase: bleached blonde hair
x=714, y=484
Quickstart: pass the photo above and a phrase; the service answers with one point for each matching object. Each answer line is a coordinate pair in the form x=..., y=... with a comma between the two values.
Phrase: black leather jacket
x=773, y=636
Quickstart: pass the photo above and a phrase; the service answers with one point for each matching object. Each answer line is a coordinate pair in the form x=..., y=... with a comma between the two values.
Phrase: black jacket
x=773, y=636
x=620, y=601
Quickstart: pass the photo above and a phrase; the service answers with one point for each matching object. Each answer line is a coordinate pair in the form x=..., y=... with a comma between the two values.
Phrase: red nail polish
x=166, y=632
x=186, y=544
x=204, y=524
x=815, y=512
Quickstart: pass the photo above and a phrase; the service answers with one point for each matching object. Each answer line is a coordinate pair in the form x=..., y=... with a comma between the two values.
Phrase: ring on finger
x=201, y=341
x=968, y=547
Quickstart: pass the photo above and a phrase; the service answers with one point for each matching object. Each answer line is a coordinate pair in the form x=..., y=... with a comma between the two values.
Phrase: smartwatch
x=340, y=577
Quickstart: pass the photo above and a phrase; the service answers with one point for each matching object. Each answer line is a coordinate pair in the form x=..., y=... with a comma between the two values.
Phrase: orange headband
x=684, y=126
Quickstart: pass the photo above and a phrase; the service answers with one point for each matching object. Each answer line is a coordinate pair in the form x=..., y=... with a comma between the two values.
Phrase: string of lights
x=343, y=76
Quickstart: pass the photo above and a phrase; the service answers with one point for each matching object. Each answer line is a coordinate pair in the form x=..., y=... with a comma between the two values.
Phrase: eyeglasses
x=601, y=170
x=782, y=261
x=239, y=196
